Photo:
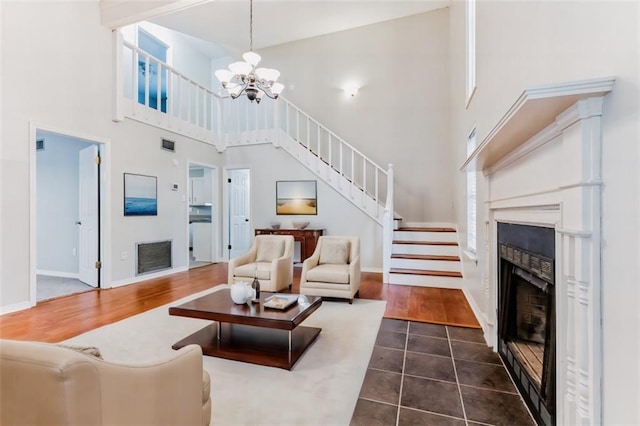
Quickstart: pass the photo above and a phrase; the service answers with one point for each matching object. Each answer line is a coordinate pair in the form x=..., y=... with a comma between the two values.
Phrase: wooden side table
x=308, y=238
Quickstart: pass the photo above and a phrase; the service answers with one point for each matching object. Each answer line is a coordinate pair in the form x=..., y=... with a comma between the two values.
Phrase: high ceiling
x=226, y=22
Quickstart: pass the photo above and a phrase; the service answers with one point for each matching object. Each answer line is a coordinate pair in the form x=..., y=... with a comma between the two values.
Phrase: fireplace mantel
x=542, y=167
x=535, y=110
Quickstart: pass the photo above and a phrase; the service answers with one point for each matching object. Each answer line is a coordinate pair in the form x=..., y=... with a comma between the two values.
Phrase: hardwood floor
x=60, y=319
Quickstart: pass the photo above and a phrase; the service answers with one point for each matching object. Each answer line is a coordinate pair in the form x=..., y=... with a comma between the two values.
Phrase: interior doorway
x=239, y=211
x=203, y=207
x=66, y=222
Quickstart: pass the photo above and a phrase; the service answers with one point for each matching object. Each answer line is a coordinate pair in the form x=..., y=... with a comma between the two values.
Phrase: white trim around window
x=470, y=47
x=472, y=200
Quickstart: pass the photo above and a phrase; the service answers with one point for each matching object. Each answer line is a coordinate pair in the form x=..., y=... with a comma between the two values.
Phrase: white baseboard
x=146, y=277
x=480, y=316
x=366, y=269
x=15, y=307
x=430, y=225
x=60, y=274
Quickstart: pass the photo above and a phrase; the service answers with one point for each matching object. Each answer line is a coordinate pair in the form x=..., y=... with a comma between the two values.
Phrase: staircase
x=422, y=256
x=425, y=256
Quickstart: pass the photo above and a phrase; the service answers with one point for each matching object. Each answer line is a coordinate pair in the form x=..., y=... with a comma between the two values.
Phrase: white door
x=239, y=225
x=88, y=253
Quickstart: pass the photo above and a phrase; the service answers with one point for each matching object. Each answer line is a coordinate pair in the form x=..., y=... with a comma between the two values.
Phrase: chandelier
x=244, y=77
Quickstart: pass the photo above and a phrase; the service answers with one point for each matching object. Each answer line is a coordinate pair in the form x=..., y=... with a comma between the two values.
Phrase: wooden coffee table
x=252, y=333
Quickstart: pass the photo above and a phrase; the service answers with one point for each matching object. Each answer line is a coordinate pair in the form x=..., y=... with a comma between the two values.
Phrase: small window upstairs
x=158, y=52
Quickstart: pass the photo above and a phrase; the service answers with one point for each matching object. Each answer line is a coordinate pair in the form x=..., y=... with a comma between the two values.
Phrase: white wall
x=335, y=213
x=523, y=44
x=61, y=76
x=138, y=151
x=57, y=204
x=400, y=114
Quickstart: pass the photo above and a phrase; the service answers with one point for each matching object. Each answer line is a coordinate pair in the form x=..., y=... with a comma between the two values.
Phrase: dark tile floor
x=428, y=374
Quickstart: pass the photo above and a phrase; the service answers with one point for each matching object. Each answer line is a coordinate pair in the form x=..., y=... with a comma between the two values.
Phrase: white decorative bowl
x=300, y=225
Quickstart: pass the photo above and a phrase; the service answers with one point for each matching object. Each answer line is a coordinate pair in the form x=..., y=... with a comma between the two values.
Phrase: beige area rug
x=322, y=388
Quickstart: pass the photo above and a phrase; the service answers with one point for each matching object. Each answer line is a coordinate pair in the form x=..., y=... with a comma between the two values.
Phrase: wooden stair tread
x=425, y=272
x=427, y=243
x=425, y=257
x=417, y=229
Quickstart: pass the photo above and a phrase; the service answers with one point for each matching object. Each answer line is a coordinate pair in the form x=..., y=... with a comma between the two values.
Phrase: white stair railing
x=322, y=150
x=153, y=92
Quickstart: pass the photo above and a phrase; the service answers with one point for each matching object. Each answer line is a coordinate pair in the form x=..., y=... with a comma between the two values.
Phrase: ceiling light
x=350, y=89
x=243, y=77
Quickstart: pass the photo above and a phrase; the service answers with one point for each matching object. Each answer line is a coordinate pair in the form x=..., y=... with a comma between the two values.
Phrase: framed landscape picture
x=296, y=197
x=140, y=195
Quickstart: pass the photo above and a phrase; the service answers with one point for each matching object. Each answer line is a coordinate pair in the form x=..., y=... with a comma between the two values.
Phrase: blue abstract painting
x=140, y=195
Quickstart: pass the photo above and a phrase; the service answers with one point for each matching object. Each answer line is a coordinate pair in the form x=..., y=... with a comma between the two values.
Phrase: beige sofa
x=333, y=270
x=45, y=384
x=273, y=257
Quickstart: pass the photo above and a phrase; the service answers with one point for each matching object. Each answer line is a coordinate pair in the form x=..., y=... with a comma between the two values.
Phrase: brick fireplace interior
x=526, y=314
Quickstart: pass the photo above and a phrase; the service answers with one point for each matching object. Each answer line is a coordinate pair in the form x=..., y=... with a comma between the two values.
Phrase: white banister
x=387, y=227
x=181, y=104
x=193, y=110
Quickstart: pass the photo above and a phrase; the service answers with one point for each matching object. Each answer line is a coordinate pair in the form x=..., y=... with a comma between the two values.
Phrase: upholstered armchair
x=46, y=384
x=333, y=270
x=272, y=256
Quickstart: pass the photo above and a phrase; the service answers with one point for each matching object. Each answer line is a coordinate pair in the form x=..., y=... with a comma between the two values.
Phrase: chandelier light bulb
x=252, y=58
x=224, y=76
x=277, y=88
x=240, y=68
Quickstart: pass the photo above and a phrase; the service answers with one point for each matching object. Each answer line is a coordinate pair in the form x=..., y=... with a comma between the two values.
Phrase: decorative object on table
x=140, y=195
x=300, y=224
x=281, y=301
x=243, y=77
x=296, y=197
x=255, y=284
x=275, y=225
x=241, y=292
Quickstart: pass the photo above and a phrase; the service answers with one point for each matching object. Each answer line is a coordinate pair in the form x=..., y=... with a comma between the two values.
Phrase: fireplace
x=526, y=314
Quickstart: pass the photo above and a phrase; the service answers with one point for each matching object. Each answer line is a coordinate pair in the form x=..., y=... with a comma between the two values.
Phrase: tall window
x=158, y=52
x=471, y=48
x=472, y=201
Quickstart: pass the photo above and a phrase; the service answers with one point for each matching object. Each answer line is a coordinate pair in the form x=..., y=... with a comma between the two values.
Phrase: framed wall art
x=140, y=195
x=296, y=197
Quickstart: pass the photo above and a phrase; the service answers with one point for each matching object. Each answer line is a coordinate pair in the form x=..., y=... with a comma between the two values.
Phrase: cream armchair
x=273, y=257
x=333, y=270
x=46, y=384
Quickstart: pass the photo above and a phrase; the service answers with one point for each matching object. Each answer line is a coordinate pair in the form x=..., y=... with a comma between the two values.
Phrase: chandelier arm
x=266, y=89
x=241, y=91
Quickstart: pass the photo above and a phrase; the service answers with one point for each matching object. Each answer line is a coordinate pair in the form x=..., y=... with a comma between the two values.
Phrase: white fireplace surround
x=542, y=163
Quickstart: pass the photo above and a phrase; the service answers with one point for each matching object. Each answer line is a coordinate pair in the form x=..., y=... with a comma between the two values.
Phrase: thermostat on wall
x=174, y=186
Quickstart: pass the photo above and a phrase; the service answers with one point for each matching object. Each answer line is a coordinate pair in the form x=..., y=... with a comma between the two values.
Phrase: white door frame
x=104, y=146
x=88, y=215
x=215, y=209
x=227, y=220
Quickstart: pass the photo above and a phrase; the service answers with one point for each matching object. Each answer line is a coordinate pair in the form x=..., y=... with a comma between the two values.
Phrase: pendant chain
x=251, y=25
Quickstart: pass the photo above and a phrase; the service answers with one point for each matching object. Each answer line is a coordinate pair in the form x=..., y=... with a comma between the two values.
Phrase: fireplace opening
x=526, y=314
